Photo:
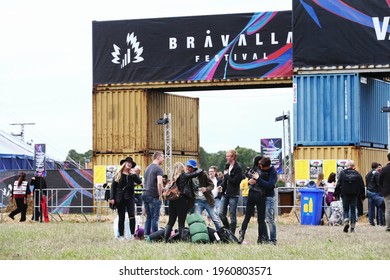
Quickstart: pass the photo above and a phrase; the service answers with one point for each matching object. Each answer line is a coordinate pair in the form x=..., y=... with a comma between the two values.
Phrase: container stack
x=124, y=124
x=337, y=117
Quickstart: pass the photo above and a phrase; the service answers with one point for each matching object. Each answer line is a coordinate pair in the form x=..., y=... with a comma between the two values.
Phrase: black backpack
x=226, y=236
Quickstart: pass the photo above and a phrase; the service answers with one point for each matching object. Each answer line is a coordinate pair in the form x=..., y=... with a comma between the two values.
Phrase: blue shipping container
x=340, y=110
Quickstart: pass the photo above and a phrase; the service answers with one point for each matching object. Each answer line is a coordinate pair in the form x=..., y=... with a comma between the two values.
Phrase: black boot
x=224, y=221
x=233, y=228
x=167, y=233
x=242, y=236
x=260, y=240
x=180, y=234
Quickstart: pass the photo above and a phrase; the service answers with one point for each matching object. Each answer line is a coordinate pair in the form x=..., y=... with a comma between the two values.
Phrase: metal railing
x=61, y=201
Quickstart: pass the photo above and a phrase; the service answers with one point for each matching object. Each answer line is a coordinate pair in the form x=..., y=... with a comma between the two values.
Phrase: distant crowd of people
x=350, y=188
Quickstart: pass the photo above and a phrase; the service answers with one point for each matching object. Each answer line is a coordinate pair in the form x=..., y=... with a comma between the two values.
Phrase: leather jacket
x=124, y=189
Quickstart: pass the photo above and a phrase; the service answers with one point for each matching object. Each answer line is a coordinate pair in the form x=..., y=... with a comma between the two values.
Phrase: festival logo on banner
x=272, y=148
x=252, y=45
x=40, y=158
x=132, y=53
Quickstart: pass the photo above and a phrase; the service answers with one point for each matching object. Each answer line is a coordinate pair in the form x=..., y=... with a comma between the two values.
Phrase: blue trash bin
x=311, y=206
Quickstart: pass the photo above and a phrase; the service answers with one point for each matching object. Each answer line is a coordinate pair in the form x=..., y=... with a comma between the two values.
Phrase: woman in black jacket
x=256, y=198
x=122, y=194
x=179, y=208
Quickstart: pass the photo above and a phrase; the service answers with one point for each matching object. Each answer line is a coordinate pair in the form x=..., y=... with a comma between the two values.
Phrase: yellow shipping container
x=124, y=121
x=363, y=157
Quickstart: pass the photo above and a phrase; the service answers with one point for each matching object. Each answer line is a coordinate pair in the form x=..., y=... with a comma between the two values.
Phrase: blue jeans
x=201, y=205
x=375, y=200
x=387, y=212
x=270, y=216
x=349, y=209
x=152, y=209
x=232, y=202
x=216, y=207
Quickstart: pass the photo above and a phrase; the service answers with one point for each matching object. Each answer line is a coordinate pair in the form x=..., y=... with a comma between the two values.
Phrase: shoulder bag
x=172, y=192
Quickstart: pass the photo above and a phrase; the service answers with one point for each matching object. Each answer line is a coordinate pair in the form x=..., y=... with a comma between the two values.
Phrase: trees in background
x=245, y=158
x=80, y=159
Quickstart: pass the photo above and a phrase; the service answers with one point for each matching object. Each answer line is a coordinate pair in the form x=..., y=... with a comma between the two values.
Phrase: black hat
x=130, y=159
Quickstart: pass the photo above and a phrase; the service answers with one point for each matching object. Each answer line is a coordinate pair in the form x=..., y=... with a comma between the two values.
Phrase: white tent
x=15, y=154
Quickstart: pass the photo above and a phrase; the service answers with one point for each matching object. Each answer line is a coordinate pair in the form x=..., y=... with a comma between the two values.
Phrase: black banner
x=341, y=32
x=230, y=46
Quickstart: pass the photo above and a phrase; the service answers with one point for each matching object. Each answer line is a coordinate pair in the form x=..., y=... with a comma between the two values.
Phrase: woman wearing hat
x=122, y=194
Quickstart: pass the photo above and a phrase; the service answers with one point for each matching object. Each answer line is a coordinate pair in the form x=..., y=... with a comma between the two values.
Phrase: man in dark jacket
x=384, y=182
x=39, y=191
x=204, y=199
x=349, y=185
x=370, y=192
x=231, y=190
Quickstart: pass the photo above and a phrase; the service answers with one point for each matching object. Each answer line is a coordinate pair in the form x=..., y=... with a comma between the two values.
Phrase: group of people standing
x=21, y=192
x=199, y=191
x=378, y=194
x=352, y=191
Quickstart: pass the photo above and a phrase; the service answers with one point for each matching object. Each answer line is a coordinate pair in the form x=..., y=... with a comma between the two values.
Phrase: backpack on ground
x=198, y=229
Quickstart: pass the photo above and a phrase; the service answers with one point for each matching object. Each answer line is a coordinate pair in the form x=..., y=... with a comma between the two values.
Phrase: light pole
x=166, y=121
x=287, y=163
x=287, y=160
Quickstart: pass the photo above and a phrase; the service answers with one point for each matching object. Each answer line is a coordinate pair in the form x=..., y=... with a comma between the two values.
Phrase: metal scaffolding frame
x=287, y=156
x=166, y=122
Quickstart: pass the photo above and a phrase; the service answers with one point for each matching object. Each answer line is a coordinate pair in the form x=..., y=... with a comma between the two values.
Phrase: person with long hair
x=254, y=200
x=20, y=192
x=122, y=195
x=329, y=188
x=262, y=180
x=179, y=208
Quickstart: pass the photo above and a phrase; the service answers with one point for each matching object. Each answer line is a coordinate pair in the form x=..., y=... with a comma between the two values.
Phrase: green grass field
x=76, y=239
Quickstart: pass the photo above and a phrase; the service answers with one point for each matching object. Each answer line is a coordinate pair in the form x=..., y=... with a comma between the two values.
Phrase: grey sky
x=46, y=73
